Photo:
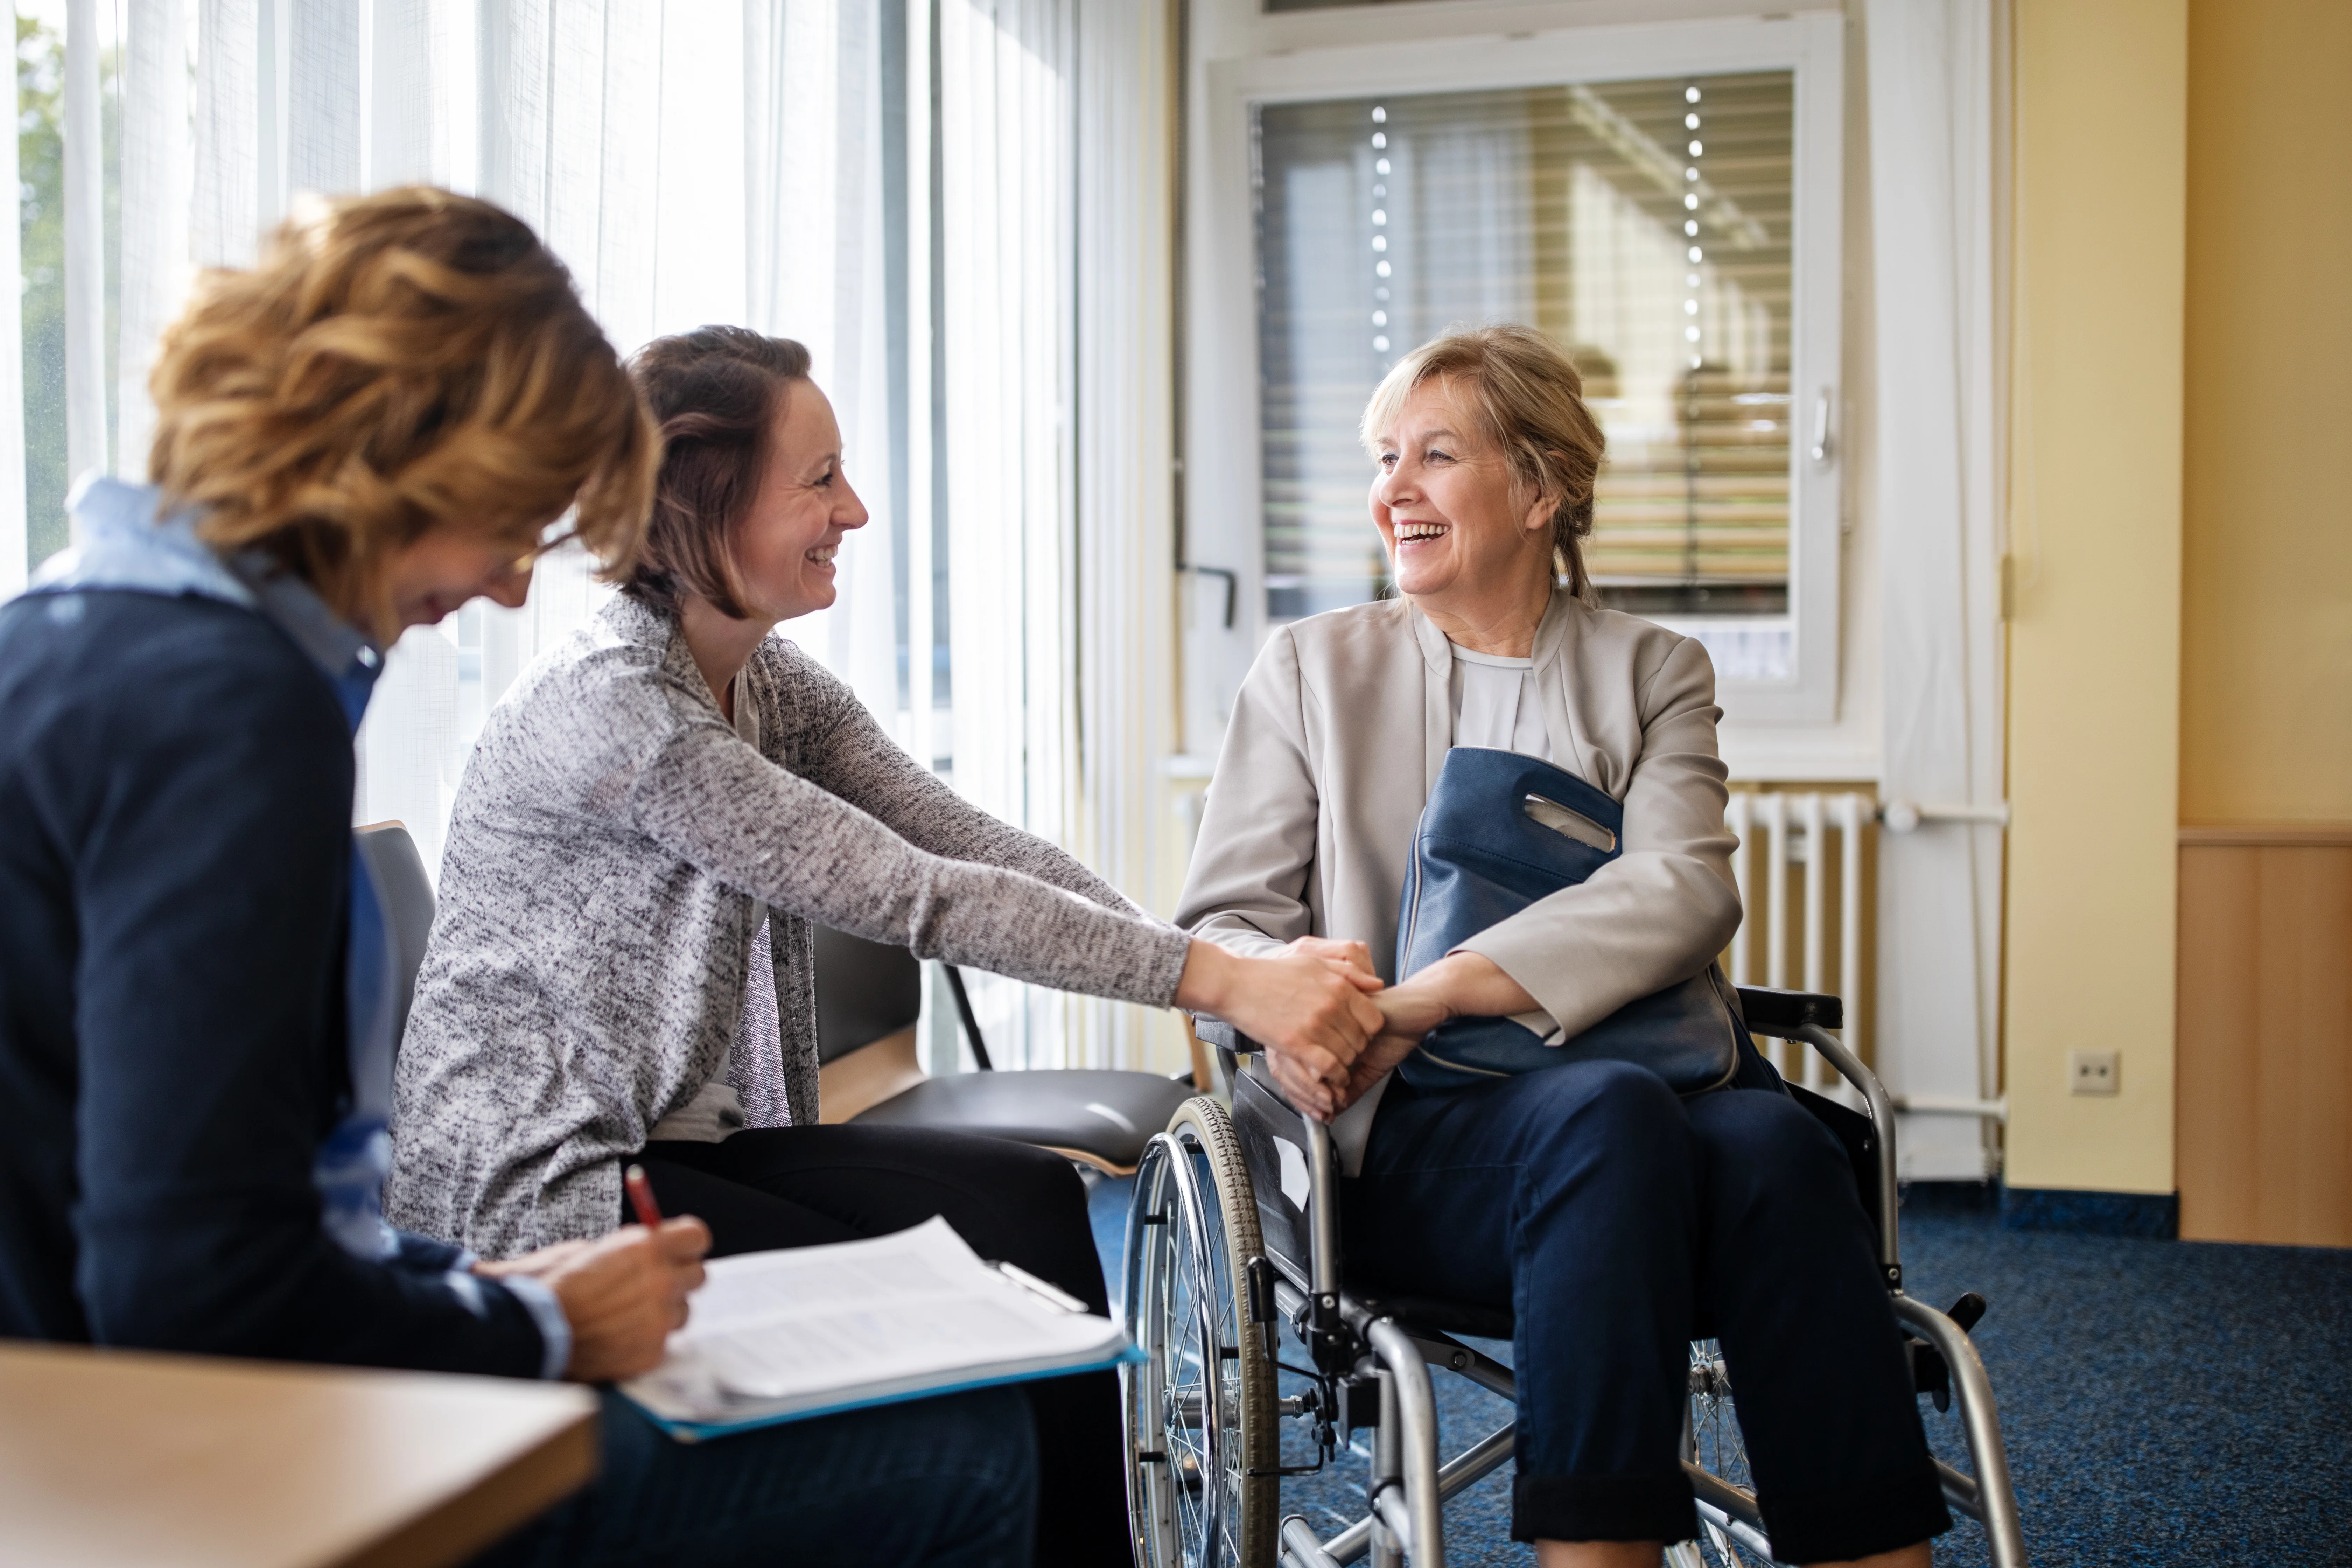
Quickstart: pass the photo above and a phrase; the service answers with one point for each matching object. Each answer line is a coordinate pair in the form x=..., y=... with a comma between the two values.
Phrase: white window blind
x=1547, y=178
x=1644, y=225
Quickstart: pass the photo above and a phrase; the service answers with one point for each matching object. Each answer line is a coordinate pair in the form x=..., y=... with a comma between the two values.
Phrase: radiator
x=1799, y=927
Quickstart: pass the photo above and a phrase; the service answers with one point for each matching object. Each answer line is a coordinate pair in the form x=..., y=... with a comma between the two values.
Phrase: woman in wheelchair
x=1608, y=1213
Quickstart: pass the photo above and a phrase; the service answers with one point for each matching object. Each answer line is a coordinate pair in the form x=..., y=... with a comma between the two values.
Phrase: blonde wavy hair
x=396, y=362
x=1527, y=398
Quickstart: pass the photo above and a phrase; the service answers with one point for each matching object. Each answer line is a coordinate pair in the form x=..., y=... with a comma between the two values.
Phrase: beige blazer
x=1336, y=740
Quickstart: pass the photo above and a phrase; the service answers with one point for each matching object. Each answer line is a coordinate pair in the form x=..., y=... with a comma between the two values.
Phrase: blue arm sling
x=1500, y=831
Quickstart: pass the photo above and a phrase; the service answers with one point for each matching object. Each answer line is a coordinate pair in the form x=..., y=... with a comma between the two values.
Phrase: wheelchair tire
x=1201, y=1445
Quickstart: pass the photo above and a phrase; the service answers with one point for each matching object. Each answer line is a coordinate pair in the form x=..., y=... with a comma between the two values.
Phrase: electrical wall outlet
x=2092, y=1072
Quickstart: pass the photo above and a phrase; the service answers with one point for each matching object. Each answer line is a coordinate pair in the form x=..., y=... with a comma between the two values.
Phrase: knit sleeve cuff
x=1174, y=950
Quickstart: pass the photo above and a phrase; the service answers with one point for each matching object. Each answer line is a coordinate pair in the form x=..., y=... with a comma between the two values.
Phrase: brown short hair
x=395, y=362
x=1528, y=400
x=715, y=393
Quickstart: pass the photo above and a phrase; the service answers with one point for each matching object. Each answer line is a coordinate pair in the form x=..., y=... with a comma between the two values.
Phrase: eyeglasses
x=553, y=537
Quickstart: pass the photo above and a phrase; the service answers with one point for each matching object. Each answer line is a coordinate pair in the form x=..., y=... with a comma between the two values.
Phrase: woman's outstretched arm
x=848, y=753
x=719, y=805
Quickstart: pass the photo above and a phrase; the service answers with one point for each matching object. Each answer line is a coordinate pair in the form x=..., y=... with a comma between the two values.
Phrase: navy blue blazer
x=176, y=788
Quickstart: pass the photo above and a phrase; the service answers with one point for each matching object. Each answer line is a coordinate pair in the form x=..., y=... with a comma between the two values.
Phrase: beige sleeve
x=852, y=757
x=1661, y=911
x=1247, y=889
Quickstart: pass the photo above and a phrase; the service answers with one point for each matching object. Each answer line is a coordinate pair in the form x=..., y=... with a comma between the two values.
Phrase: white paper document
x=778, y=1336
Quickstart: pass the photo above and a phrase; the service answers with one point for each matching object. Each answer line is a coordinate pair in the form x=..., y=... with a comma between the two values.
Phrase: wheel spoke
x=1719, y=1447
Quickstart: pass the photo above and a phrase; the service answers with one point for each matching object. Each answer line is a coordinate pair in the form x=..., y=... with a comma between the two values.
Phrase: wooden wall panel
x=2264, y=1056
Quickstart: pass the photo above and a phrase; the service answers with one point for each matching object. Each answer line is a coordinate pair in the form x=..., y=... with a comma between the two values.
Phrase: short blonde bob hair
x=1527, y=400
x=395, y=362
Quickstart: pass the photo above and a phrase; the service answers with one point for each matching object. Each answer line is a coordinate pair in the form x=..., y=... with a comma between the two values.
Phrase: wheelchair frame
x=1181, y=1413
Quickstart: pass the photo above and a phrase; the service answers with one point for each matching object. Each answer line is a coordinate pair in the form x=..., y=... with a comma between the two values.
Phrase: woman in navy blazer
x=383, y=420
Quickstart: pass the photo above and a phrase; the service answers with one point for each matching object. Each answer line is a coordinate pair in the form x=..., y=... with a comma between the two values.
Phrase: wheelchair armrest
x=1790, y=1014
x=1769, y=1012
x=1230, y=1044
x=1218, y=1034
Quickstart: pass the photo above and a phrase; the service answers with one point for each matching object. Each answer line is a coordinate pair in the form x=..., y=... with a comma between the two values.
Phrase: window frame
x=1225, y=502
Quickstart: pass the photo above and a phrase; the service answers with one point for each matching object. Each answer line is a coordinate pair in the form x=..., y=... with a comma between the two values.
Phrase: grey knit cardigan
x=613, y=843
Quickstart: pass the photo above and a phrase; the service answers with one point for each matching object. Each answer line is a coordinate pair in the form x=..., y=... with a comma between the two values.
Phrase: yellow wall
x=2266, y=623
x=2094, y=641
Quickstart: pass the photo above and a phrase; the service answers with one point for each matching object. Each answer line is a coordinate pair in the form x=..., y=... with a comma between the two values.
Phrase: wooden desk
x=125, y=1459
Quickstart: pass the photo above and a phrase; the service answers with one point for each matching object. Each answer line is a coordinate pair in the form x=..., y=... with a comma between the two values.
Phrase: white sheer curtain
x=155, y=180
x=1005, y=107
x=725, y=161
x=711, y=161
x=692, y=165
x=1054, y=185
x=813, y=247
x=1123, y=820
x=13, y=543
x=1935, y=117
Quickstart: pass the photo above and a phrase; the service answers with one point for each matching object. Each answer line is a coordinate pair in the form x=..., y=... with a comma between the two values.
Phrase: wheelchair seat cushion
x=1105, y=1117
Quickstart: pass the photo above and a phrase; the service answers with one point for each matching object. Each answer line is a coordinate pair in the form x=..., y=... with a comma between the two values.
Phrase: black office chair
x=869, y=996
x=405, y=895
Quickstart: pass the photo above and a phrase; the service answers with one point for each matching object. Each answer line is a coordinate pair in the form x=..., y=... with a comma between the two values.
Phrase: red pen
x=640, y=1197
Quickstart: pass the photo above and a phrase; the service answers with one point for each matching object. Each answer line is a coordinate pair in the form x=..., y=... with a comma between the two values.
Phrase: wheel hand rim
x=1212, y=1533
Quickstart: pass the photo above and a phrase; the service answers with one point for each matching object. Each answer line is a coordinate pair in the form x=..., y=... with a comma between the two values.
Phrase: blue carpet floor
x=2165, y=1403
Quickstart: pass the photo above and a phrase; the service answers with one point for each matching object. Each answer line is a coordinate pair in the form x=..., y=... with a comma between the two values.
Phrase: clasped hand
x=1331, y=1029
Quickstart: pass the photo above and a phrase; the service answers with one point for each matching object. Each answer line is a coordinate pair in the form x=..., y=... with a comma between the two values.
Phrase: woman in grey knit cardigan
x=619, y=968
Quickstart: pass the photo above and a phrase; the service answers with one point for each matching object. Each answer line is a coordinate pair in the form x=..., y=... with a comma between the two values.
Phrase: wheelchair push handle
x=1771, y=1011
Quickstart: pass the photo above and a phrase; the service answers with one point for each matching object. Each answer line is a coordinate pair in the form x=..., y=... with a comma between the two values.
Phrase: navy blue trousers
x=1613, y=1219
x=948, y=1481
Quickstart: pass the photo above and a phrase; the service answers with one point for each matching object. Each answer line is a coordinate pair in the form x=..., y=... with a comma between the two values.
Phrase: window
x=1644, y=224
x=1661, y=201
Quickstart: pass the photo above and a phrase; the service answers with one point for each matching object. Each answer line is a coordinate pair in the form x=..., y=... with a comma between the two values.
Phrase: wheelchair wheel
x=1716, y=1447
x=1201, y=1434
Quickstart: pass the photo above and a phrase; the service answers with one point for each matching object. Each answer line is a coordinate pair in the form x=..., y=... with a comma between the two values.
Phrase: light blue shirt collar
x=123, y=539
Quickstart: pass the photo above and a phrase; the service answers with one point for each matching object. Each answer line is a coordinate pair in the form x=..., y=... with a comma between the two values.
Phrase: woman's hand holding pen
x=1309, y=1008
x=623, y=1293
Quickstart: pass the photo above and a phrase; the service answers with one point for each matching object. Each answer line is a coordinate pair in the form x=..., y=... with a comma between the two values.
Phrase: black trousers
x=1606, y=1212
x=802, y=1186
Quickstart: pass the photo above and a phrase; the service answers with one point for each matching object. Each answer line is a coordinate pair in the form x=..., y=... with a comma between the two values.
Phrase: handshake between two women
x=1331, y=1027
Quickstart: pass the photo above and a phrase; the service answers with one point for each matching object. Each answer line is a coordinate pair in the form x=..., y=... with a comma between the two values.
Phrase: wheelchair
x=1233, y=1231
